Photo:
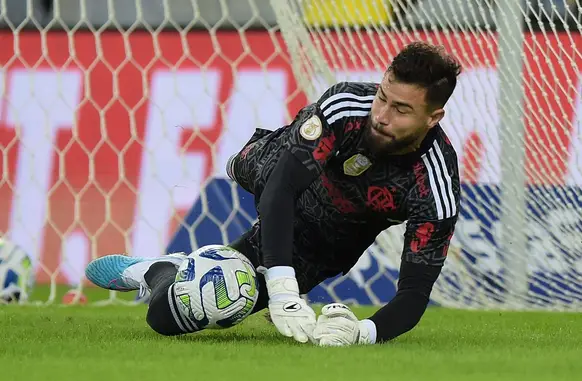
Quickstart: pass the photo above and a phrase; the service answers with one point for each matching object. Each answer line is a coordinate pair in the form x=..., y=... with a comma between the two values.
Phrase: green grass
x=114, y=343
x=43, y=294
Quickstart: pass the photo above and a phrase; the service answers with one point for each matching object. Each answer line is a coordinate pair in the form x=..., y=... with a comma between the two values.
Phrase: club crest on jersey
x=311, y=128
x=356, y=165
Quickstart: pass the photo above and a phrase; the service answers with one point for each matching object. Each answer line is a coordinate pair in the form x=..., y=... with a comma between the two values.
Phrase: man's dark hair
x=430, y=67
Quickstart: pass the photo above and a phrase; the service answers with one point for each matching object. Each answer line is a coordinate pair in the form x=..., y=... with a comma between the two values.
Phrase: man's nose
x=383, y=118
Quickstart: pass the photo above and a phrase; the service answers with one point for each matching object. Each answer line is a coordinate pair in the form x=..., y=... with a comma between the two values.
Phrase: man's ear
x=435, y=117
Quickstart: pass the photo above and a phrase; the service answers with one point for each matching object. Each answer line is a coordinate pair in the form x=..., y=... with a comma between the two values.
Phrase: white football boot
x=123, y=273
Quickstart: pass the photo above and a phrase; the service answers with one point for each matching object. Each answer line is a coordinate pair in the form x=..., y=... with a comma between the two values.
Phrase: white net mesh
x=111, y=132
x=514, y=120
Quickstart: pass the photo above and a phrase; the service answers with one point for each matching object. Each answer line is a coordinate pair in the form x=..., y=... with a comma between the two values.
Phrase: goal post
x=117, y=119
x=513, y=181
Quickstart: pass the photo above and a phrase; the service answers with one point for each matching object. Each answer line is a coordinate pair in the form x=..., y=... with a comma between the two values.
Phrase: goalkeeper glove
x=337, y=325
x=289, y=313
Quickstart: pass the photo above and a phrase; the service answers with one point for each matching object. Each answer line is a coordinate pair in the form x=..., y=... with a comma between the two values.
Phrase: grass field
x=114, y=343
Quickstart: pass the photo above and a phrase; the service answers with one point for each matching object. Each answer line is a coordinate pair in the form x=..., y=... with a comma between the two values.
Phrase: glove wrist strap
x=276, y=272
x=280, y=281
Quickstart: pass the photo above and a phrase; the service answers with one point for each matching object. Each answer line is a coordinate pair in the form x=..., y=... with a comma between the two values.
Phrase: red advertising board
x=92, y=125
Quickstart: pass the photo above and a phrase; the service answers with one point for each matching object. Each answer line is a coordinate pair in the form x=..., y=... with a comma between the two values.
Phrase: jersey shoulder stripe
x=441, y=182
x=348, y=113
x=345, y=105
x=344, y=96
x=347, y=99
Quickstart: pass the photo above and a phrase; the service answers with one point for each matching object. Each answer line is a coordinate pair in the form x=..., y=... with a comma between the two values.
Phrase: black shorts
x=308, y=273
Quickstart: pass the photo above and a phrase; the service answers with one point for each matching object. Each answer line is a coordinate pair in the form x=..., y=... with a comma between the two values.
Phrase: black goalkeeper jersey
x=340, y=197
x=322, y=198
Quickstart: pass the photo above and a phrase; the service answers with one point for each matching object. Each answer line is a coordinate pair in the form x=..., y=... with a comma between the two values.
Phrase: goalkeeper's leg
x=164, y=315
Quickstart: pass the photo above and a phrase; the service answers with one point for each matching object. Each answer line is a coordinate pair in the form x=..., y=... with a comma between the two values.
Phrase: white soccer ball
x=216, y=287
x=16, y=275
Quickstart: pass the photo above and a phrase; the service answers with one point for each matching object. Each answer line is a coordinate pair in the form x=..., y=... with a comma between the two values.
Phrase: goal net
x=114, y=134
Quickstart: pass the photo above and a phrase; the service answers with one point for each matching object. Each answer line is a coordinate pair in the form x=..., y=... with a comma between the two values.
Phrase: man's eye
x=400, y=110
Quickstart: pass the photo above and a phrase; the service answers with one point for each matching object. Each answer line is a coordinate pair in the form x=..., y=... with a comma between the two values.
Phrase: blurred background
x=124, y=14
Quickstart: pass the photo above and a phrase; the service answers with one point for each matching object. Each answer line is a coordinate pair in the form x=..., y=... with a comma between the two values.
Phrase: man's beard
x=384, y=148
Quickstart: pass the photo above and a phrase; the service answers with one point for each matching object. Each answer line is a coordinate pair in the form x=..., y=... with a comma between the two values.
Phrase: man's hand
x=337, y=326
x=289, y=313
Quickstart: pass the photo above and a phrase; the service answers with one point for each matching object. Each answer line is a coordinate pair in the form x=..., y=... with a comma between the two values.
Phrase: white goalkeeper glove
x=337, y=326
x=289, y=313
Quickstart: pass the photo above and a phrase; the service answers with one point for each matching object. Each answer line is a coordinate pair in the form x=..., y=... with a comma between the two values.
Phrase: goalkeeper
x=362, y=158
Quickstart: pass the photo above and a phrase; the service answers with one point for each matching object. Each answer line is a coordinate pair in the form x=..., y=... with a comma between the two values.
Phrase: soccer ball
x=16, y=276
x=216, y=287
